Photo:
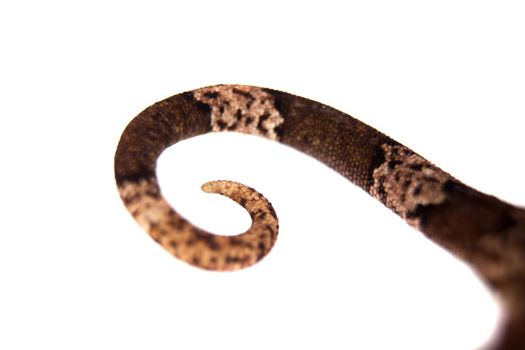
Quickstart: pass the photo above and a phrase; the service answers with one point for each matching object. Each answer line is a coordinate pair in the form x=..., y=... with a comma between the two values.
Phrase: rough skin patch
x=405, y=181
x=196, y=246
x=245, y=109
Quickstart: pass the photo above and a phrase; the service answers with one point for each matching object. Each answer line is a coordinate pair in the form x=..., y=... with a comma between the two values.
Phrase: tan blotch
x=144, y=202
x=241, y=108
x=405, y=181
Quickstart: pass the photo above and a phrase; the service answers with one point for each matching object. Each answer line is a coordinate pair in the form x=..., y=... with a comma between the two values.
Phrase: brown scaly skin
x=482, y=230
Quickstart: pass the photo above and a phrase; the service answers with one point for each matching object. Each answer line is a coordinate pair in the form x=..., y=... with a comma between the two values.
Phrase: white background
x=445, y=78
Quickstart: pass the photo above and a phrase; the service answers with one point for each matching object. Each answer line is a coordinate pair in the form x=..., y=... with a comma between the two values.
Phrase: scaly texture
x=482, y=230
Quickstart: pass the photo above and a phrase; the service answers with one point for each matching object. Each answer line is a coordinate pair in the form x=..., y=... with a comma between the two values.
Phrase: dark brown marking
x=244, y=93
x=196, y=261
x=233, y=126
x=238, y=114
x=416, y=167
x=393, y=163
x=222, y=125
x=417, y=190
x=211, y=94
x=231, y=259
x=262, y=119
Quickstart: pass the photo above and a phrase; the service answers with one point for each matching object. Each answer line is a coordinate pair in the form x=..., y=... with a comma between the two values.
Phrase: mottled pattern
x=196, y=246
x=484, y=231
x=406, y=181
x=245, y=109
